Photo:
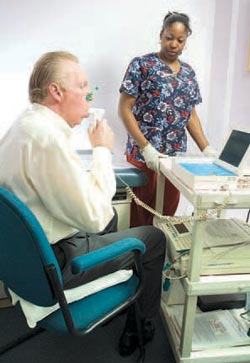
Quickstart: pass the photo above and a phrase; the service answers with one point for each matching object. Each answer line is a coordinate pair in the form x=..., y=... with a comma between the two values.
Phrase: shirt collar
x=54, y=117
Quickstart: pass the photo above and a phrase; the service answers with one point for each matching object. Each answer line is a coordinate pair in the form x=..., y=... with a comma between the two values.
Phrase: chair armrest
x=107, y=253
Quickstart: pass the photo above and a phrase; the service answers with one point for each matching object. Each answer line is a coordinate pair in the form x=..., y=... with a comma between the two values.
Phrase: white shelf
x=195, y=285
x=212, y=285
x=230, y=354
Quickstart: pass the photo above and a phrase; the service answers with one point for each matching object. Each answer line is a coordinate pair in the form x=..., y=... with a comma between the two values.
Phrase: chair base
x=20, y=340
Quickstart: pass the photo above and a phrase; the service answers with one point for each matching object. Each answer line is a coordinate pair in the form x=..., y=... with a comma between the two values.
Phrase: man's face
x=74, y=106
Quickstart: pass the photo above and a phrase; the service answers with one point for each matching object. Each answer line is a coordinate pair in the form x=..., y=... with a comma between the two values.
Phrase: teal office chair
x=29, y=267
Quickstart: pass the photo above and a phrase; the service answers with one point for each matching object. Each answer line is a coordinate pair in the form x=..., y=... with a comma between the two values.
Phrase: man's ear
x=55, y=91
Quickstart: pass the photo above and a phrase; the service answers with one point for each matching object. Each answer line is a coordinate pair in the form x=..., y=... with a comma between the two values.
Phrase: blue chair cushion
x=91, y=308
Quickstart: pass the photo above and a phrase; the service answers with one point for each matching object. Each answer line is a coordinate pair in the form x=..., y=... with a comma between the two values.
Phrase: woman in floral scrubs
x=157, y=103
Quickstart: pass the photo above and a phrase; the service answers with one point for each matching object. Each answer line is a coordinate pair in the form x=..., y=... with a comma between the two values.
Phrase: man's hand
x=151, y=157
x=101, y=135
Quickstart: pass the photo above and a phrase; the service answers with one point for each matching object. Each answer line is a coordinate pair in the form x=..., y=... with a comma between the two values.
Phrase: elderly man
x=74, y=207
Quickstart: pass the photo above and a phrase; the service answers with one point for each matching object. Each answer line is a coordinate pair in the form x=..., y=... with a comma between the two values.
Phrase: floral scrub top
x=164, y=103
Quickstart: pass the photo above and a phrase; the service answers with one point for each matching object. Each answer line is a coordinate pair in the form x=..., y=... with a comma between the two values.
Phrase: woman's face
x=173, y=39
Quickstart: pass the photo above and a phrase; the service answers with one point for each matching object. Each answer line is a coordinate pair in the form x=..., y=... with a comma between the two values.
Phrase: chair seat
x=91, y=308
x=30, y=270
x=35, y=313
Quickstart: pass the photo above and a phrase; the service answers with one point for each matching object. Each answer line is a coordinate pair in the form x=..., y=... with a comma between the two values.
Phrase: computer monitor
x=234, y=151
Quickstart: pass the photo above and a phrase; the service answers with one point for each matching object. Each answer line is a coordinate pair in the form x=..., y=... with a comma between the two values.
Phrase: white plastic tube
x=96, y=114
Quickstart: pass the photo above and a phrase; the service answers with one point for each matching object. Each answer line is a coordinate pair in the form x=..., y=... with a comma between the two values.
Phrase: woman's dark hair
x=173, y=17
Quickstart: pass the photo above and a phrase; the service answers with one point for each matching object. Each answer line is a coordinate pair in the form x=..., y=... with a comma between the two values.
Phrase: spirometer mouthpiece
x=96, y=114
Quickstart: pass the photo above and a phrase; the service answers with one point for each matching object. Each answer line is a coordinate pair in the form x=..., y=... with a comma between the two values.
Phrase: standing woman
x=157, y=103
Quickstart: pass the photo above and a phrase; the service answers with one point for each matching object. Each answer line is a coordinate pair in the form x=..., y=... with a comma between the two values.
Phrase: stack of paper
x=222, y=260
x=213, y=329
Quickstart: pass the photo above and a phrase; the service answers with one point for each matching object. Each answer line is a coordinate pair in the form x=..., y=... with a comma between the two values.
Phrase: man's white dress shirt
x=38, y=163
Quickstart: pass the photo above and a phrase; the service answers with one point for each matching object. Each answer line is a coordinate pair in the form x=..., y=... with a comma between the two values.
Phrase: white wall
x=107, y=35
x=240, y=100
x=229, y=93
x=104, y=35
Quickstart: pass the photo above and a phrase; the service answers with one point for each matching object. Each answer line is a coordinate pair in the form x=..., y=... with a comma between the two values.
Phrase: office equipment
x=217, y=233
x=224, y=172
x=234, y=152
x=226, y=245
x=29, y=268
x=179, y=234
x=193, y=284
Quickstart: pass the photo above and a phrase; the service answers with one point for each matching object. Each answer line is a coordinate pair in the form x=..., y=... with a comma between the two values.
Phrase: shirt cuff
x=102, y=153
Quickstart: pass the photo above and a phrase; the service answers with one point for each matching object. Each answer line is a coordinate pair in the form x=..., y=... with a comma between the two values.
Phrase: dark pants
x=153, y=260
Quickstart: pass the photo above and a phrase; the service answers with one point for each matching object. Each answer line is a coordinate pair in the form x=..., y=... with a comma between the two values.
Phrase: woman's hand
x=209, y=151
x=152, y=157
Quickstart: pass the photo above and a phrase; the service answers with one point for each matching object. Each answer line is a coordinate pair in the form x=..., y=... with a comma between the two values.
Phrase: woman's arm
x=150, y=154
x=195, y=130
x=126, y=104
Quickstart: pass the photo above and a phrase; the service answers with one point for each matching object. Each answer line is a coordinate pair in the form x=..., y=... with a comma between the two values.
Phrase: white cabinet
x=193, y=284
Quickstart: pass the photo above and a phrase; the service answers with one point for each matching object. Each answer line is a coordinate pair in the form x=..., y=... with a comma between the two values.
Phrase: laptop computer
x=234, y=152
x=212, y=173
x=230, y=159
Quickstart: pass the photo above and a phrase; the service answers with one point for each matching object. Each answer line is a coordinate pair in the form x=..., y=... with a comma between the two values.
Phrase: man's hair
x=47, y=70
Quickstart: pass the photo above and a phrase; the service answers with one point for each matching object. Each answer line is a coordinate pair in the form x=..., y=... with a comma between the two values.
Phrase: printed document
x=213, y=329
x=225, y=232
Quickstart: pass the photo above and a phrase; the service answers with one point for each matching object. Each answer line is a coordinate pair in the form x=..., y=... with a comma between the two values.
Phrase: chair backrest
x=24, y=252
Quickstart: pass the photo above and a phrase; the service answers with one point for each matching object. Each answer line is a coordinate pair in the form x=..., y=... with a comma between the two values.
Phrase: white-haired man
x=38, y=163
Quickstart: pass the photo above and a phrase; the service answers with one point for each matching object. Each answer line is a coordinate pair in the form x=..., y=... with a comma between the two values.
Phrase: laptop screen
x=235, y=147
